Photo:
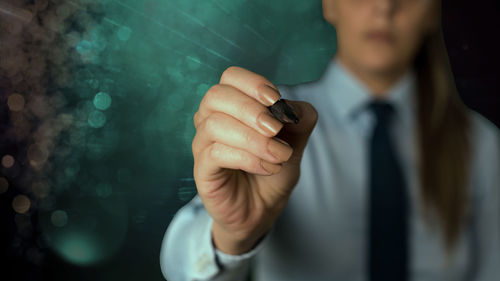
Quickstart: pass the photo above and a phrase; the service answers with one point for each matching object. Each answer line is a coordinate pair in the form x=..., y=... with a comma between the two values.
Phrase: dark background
x=471, y=35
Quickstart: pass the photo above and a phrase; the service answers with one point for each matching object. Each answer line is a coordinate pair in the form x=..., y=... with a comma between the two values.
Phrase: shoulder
x=485, y=134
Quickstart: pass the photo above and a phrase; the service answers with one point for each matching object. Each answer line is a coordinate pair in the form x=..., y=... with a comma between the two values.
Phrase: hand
x=246, y=162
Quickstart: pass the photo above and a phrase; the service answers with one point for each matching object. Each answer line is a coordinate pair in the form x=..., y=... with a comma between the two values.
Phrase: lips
x=379, y=35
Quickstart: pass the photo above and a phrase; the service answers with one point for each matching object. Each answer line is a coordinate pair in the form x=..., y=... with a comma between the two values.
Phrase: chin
x=379, y=62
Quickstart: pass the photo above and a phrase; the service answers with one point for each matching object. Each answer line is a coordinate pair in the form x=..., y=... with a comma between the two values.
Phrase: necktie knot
x=382, y=110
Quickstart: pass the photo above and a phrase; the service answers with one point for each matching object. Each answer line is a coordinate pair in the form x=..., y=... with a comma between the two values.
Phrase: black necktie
x=388, y=251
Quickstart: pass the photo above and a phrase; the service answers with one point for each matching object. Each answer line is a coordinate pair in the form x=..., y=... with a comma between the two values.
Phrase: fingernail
x=269, y=124
x=280, y=149
x=282, y=141
x=270, y=95
x=270, y=168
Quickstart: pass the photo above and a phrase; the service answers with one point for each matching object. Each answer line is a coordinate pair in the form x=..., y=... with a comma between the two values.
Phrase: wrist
x=229, y=243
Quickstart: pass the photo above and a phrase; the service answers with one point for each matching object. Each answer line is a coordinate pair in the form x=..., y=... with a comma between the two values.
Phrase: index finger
x=252, y=84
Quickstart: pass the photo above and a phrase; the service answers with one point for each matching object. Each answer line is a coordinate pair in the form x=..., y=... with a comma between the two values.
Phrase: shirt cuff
x=228, y=261
x=205, y=266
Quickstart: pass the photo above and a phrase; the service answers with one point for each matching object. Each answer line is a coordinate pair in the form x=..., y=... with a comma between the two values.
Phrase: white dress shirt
x=322, y=233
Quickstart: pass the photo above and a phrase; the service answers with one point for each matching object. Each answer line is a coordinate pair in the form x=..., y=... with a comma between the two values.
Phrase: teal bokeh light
x=89, y=231
x=84, y=47
x=102, y=101
x=59, y=218
x=97, y=119
x=125, y=165
x=124, y=33
x=79, y=248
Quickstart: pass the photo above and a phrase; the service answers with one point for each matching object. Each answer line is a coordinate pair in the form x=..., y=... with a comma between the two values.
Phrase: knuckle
x=216, y=88
x=215, y=151
x=227, y=73
x=211, y=123
x=209, y=95
x=202, y=125
x=214, y=95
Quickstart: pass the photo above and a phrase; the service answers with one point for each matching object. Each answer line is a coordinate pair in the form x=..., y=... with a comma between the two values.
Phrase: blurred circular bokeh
x=86, y=231
x=98, y=98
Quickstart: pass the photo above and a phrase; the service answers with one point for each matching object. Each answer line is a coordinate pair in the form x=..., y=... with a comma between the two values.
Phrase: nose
x=386, y=7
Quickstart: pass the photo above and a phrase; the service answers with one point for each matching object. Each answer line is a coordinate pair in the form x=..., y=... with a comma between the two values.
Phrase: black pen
x=282, y=111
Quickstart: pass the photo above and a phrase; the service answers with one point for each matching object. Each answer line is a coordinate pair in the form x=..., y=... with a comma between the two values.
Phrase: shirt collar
x=349, y=95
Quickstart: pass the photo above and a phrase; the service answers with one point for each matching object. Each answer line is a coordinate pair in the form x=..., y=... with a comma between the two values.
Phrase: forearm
x=188, y=253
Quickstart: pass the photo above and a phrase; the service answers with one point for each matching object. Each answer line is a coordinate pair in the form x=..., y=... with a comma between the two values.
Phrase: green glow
x=174, y=102
x=124, y=33
x=98, y=41
x=96, y=119
x=59, y=218
x=138, y=71
x=174, y=74
x=88, y=232
x=193, y=63
x=79, y=249
x=84, y=47
x=102, y=101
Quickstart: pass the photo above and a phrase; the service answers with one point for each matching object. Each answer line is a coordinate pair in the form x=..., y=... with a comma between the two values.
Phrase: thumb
x=298, y=134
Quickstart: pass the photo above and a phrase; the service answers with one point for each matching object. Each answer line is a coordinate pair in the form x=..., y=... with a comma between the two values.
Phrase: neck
x=378, y=82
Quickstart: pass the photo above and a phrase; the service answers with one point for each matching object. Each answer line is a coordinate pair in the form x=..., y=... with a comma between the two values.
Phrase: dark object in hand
x=283, y=112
